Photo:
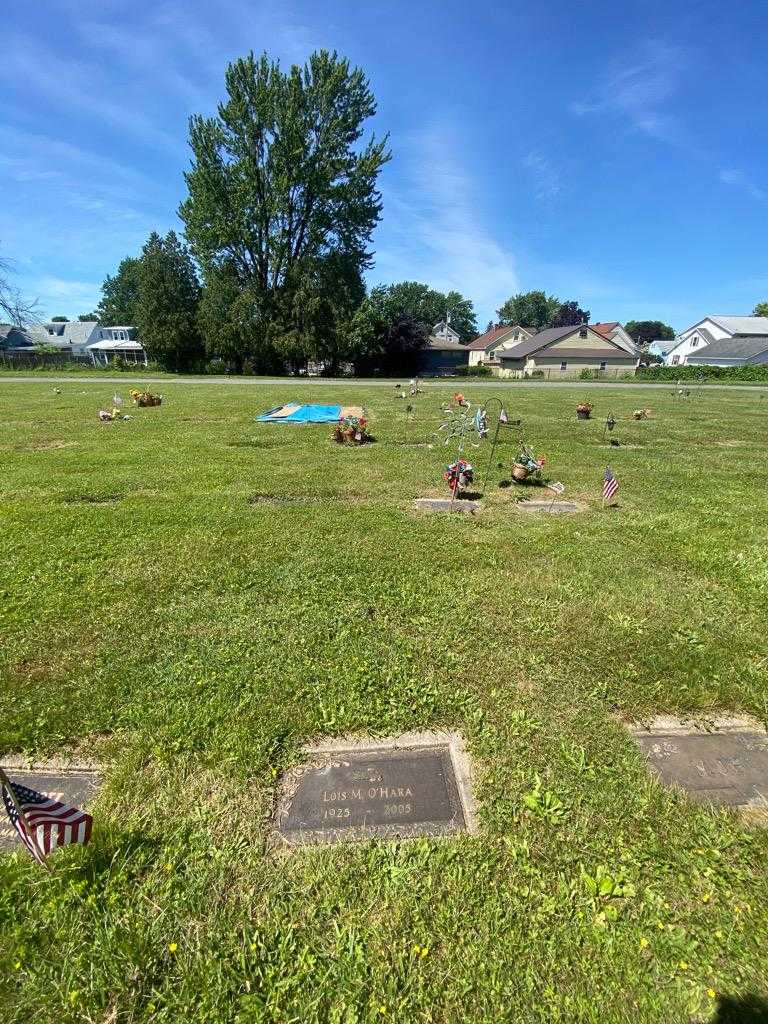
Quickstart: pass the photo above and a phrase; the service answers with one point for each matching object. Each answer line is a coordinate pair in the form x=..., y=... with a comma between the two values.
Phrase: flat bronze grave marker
x=446, y=505
x=555, y=507
x=410, y=786
x=77, y=787
x=727, y=766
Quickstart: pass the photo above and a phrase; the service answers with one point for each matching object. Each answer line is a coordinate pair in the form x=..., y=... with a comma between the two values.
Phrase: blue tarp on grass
x=302, y=414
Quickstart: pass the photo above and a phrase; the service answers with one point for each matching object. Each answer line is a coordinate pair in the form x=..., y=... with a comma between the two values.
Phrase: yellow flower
x=382, y=1009
x=643, y=942
x=718, y=934
x=172, y=947
x=683, y=965
x=424, y=950
x=660, y=925
x=711, y=993
x=706, y=897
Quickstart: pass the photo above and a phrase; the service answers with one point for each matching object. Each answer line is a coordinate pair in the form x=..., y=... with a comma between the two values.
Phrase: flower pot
x=520, y=472
x=583, y=414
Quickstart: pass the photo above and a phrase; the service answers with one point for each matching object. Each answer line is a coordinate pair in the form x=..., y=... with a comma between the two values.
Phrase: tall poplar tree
x=281, y=193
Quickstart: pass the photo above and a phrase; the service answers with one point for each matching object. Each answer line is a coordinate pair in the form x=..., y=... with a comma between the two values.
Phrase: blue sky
x=611, y=153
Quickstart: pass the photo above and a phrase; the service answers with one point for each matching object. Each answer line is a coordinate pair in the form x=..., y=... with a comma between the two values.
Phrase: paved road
x=442, y=382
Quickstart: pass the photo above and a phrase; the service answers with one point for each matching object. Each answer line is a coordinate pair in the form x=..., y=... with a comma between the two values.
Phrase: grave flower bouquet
x=584, y=410
x=458, y=475
x=144, y=398
x=351, y=430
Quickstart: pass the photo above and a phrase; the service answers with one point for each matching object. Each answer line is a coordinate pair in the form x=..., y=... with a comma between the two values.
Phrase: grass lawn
x=157, y=618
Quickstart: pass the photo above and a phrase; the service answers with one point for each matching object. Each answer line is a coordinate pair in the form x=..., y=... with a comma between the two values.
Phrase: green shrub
x=756, y=373
x=473, y=371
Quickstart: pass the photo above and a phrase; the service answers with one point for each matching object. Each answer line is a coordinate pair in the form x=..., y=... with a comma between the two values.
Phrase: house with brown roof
x=484, y=350
x=561, y=352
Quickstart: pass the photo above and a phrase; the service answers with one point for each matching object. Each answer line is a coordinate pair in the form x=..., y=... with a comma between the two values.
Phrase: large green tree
x=643, y=332
x=119, y=294
x=533, y=309
x=166, y=304
x=430, y=306
x=570, y=314
x=761, y=309
x=387, y=337
x=282, y=193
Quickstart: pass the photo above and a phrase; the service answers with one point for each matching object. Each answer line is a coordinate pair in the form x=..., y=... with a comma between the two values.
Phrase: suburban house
x=75, y=339
x=721, y=341
x=117, y=341
x=615, y=332
x=565, y=352
x=484, y=350
x=444, y=332
x=442, y=356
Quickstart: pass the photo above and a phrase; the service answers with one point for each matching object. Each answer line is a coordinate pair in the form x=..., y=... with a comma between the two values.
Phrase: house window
x=694, y=342
x=675, y=360
x=563, y=366
x=603, y=364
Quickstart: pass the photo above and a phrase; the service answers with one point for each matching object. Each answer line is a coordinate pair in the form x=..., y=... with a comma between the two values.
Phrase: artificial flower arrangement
x=641, y=414
x=351, y=430
x=459, y=399
x=584, y=410
x=526, y=464
x=458, y=475
x=144, y=398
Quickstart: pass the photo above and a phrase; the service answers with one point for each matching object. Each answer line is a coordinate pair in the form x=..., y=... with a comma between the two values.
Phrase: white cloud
x=65, y=298
x=636, y=89
x=732, y=176
x=433, y=231
x=546, y=178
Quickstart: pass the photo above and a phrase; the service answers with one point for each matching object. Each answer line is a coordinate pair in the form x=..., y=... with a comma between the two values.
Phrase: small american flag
x=52, y=823
x=610, y=484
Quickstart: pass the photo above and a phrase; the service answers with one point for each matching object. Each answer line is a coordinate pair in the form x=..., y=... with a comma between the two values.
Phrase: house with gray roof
x=75, y=339
x=561, y=352
x=719, y=340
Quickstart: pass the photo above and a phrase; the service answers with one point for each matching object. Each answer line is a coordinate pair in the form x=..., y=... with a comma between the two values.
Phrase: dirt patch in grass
x=306, y=499
x=93, y=499
x=42, y=446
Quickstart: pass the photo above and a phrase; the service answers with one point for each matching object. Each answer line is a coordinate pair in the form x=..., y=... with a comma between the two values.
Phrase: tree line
x=268, y=274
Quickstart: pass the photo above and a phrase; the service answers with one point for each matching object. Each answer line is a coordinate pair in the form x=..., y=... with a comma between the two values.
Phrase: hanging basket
x=520, y=472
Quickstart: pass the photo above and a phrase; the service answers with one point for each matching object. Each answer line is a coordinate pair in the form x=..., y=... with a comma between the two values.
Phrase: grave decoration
x=107, y=415
x=144, y=399
x=526, y=465
x=584, y=410
x=351, y=429
x=641, y=414
x=458, y=475
x=481, y=422
x=42, y=821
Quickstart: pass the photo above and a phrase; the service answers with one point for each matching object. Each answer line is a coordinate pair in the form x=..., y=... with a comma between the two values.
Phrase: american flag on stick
x=610, y=485
x=43, y=824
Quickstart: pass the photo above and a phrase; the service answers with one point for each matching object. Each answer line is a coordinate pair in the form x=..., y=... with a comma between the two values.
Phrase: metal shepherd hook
x=495, y=439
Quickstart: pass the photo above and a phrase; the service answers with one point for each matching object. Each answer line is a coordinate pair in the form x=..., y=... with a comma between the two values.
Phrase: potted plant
x=584, y=410
x=526, y=465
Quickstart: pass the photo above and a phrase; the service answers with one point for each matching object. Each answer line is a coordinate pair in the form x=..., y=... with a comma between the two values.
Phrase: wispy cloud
x=732, y=176
x=433, y=231
x=547, y=183
x=71, y=297
x=637, y=89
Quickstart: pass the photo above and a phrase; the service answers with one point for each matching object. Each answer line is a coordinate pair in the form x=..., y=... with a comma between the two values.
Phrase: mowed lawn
x=167, y=611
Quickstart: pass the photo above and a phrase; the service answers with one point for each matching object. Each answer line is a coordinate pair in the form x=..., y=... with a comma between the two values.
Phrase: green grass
x=155, y=618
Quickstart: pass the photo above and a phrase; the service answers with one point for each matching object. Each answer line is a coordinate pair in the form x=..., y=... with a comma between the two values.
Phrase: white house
x=719, y=341
x=485, y=349
x=80, y=339
x=444, y=332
